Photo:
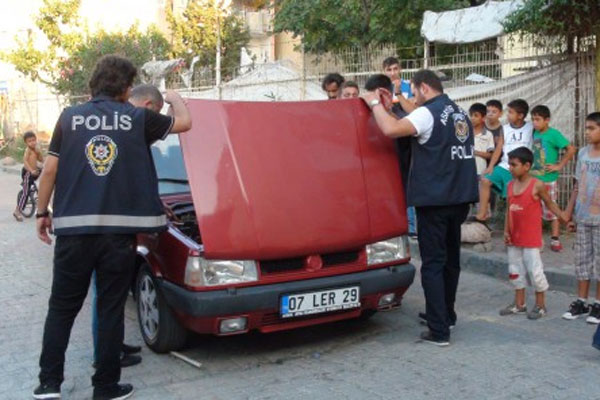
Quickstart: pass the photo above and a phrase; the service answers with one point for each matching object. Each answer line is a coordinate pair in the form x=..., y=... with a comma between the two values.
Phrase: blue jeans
x=412, y=219
x=596, y=342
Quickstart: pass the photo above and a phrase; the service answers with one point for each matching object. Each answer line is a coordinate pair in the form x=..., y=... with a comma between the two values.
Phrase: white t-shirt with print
x=515, y=138
x=484, y=142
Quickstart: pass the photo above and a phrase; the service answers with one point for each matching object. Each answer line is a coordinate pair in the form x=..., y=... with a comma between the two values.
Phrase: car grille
x=283, y=265
x=345, y=257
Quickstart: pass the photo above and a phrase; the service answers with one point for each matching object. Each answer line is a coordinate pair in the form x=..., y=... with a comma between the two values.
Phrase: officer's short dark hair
x=147, y=91
x=112, y=76
x=333, y=77
x=523, y=154
x=541, y=111
x=388, y=62
x=348, y=84
x=520, y=106
x=594, y=117
x=494, y=103
x=478, y=108
x=428, y=77
x=28, y=135
x=378, y=81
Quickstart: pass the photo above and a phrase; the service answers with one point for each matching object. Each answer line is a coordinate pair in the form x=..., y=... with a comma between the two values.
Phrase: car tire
x=159, y=327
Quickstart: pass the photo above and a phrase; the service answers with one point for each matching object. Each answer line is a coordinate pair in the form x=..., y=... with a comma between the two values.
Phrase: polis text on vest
x=104, y=122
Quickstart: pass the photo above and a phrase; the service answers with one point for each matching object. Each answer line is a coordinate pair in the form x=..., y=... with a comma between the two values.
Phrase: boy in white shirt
x=517, y=133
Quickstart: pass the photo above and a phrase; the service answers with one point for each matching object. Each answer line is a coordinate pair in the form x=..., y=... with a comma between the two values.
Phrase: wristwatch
x=374, y=102
x=42, y=214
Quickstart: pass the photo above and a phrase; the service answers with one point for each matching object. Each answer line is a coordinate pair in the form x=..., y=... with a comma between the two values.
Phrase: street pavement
x=491, y=357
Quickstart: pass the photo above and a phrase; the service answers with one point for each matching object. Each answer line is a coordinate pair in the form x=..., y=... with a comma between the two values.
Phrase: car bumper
x=201, y=311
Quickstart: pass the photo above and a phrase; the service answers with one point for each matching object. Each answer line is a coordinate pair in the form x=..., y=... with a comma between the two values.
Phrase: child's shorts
x=587, y=252
x=500, y=177
x=523, y=261
x=551, y=188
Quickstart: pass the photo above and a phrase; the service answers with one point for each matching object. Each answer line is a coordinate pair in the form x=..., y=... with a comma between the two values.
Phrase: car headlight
x=388, y=250
x=202, y=272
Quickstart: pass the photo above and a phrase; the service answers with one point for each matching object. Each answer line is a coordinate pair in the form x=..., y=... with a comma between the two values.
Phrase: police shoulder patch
x=461, y=127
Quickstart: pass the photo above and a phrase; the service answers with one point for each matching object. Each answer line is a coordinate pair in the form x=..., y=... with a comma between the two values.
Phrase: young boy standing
x=492, y=119
x=523, y=233
x=517, y=133
x=547, y=144
x=32, y=162
x=400, y=88
x=484, y=141
x=585, y=200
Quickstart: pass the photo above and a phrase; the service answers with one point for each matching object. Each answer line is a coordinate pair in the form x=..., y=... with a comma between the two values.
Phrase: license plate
x=295, y=305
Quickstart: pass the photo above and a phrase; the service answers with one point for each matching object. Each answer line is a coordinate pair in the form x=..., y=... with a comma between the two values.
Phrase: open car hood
x=278, y=180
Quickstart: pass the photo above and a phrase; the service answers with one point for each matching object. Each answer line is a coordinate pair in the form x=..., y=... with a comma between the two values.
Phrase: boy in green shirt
x=547, y=145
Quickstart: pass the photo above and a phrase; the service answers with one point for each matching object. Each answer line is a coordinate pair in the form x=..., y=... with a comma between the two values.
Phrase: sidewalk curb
x=495, y=265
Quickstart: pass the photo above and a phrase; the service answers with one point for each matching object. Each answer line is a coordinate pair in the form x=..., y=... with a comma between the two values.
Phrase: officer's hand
x=171, y=96
x=44, y=229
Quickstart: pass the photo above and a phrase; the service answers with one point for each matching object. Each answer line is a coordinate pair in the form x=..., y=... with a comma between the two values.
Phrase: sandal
x=18, y=217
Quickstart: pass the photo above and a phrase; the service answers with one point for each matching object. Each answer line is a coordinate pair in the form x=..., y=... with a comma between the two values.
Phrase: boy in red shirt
x=523, y=233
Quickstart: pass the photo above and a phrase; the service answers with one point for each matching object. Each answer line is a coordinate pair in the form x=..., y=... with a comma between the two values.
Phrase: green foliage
x=562, y=18
x=139, y=47
x=194, y=33
x=337, y=25
x=67, y=62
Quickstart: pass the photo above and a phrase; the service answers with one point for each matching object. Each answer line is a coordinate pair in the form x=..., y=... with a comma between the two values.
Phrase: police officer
x=442, y=183
x=105, y=192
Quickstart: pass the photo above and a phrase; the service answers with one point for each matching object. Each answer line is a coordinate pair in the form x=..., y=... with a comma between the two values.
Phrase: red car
x=281, y=215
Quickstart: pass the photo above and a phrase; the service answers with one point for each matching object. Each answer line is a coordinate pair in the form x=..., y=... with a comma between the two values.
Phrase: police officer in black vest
x=105, y=192
x=442, y=183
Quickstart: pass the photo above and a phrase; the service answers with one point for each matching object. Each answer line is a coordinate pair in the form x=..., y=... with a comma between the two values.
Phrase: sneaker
x=47, y=391
x=537, y=312
x=513, y=309
x=576, y=309
x=428, y=337
x=114, y=392
x=594, y=317
x=555, y=245
x=423, y=318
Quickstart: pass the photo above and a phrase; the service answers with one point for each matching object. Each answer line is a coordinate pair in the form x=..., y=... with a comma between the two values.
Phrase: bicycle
x=30, y=204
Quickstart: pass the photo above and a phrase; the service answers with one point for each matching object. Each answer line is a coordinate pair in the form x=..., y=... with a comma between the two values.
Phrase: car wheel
x=159, y=327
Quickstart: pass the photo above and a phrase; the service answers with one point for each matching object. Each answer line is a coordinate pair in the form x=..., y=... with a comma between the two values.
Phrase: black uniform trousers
x=438, y=230
x=112, y=256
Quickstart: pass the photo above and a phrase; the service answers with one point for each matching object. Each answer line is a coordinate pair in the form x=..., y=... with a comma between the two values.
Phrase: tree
x=566, y=19
x=337, y=25
x=194, y=33
x=65, y=65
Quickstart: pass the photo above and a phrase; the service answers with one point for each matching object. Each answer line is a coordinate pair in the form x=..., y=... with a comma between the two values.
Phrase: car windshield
x=170, y=168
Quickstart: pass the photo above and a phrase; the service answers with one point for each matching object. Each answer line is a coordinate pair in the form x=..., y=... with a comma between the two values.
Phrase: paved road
x=490, y=357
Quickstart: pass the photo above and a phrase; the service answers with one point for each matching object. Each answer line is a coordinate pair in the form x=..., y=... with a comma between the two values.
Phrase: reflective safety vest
x=105, y=181
x=443, y=170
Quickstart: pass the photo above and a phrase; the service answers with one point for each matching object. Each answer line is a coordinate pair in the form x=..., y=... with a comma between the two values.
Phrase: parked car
x=281, y=215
